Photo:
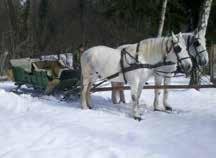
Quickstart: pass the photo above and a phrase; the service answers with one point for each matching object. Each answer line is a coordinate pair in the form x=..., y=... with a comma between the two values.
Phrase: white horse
x=196, y=46
x=102, y=62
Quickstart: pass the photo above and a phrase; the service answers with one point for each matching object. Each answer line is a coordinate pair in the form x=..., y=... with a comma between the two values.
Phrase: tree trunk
x=202, y=26
x=32, y=26
x=12, y=16
x=82, y=21
x=3, y=58
x=13, y=34
x=204, y=16
x=162, y=19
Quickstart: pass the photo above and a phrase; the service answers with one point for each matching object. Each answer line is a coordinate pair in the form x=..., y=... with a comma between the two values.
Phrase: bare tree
x=3, y=58
x=12, y=15
x=13, y=34
x=82, y=20
x=204, y=15
x=29, y=43
x=202, y=26
x=32, y=26
x=162, y=18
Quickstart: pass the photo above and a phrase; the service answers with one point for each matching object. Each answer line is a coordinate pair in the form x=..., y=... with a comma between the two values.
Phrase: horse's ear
x=175, y=39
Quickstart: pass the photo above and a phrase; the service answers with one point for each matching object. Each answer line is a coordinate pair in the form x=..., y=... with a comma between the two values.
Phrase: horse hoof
x=89, y=107
x=86, y=108
x=137, y=118
x=155, y=109
x=168, y=108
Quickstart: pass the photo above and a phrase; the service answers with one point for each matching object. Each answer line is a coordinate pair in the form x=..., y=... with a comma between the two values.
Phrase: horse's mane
x=151, y=48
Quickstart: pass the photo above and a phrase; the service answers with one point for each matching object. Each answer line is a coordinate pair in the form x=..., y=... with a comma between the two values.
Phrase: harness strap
x=198, y=53
x=168, y=76
x=122, y=65
x=135, y=67
x=188, y=43
x=183, y=59
x=137, y=51
x=126, y=53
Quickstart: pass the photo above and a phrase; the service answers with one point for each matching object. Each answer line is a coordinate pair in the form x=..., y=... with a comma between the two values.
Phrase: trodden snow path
x=32, y=127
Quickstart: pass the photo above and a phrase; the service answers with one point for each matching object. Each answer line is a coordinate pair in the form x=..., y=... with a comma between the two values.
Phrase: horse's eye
x=196, y=44
x=177, y=49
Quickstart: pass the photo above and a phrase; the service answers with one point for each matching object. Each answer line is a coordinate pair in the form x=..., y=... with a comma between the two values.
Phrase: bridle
x=192, y=41
x=177, y=49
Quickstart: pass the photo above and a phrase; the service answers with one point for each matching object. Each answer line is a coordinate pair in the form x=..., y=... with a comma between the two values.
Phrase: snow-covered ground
x=32, y=127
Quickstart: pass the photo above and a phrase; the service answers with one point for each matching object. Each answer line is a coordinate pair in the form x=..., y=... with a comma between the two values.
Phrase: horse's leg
x=84, y=94
x=88, y=93
x=158, y=81
x=135, y=94
x=122, y=96
x=165, y=95
x=114, y=93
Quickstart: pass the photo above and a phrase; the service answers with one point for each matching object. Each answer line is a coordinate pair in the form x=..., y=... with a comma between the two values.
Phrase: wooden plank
x=156, y=87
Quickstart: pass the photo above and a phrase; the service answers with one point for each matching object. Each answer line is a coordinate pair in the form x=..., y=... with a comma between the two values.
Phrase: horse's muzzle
x=188, y=68
x=203, y=62
x=184, y=69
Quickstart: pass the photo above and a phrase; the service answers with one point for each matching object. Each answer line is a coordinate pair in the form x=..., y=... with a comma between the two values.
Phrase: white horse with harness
x=196, y=46
x=130, y=65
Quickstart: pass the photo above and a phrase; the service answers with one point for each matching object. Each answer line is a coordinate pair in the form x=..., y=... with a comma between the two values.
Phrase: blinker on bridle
x=177, y=49
x=196, y=44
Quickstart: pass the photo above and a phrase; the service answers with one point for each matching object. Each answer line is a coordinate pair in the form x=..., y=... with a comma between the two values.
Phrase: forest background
x=30, y=28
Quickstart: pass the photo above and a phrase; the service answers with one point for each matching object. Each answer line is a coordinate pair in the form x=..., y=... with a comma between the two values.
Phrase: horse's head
x=197, y=48
x=180, y=50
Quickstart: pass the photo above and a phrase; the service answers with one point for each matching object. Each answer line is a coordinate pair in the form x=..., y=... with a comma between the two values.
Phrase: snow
x=44, y=127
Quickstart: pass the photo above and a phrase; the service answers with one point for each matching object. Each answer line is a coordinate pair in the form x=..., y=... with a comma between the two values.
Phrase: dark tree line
x=35, y=27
